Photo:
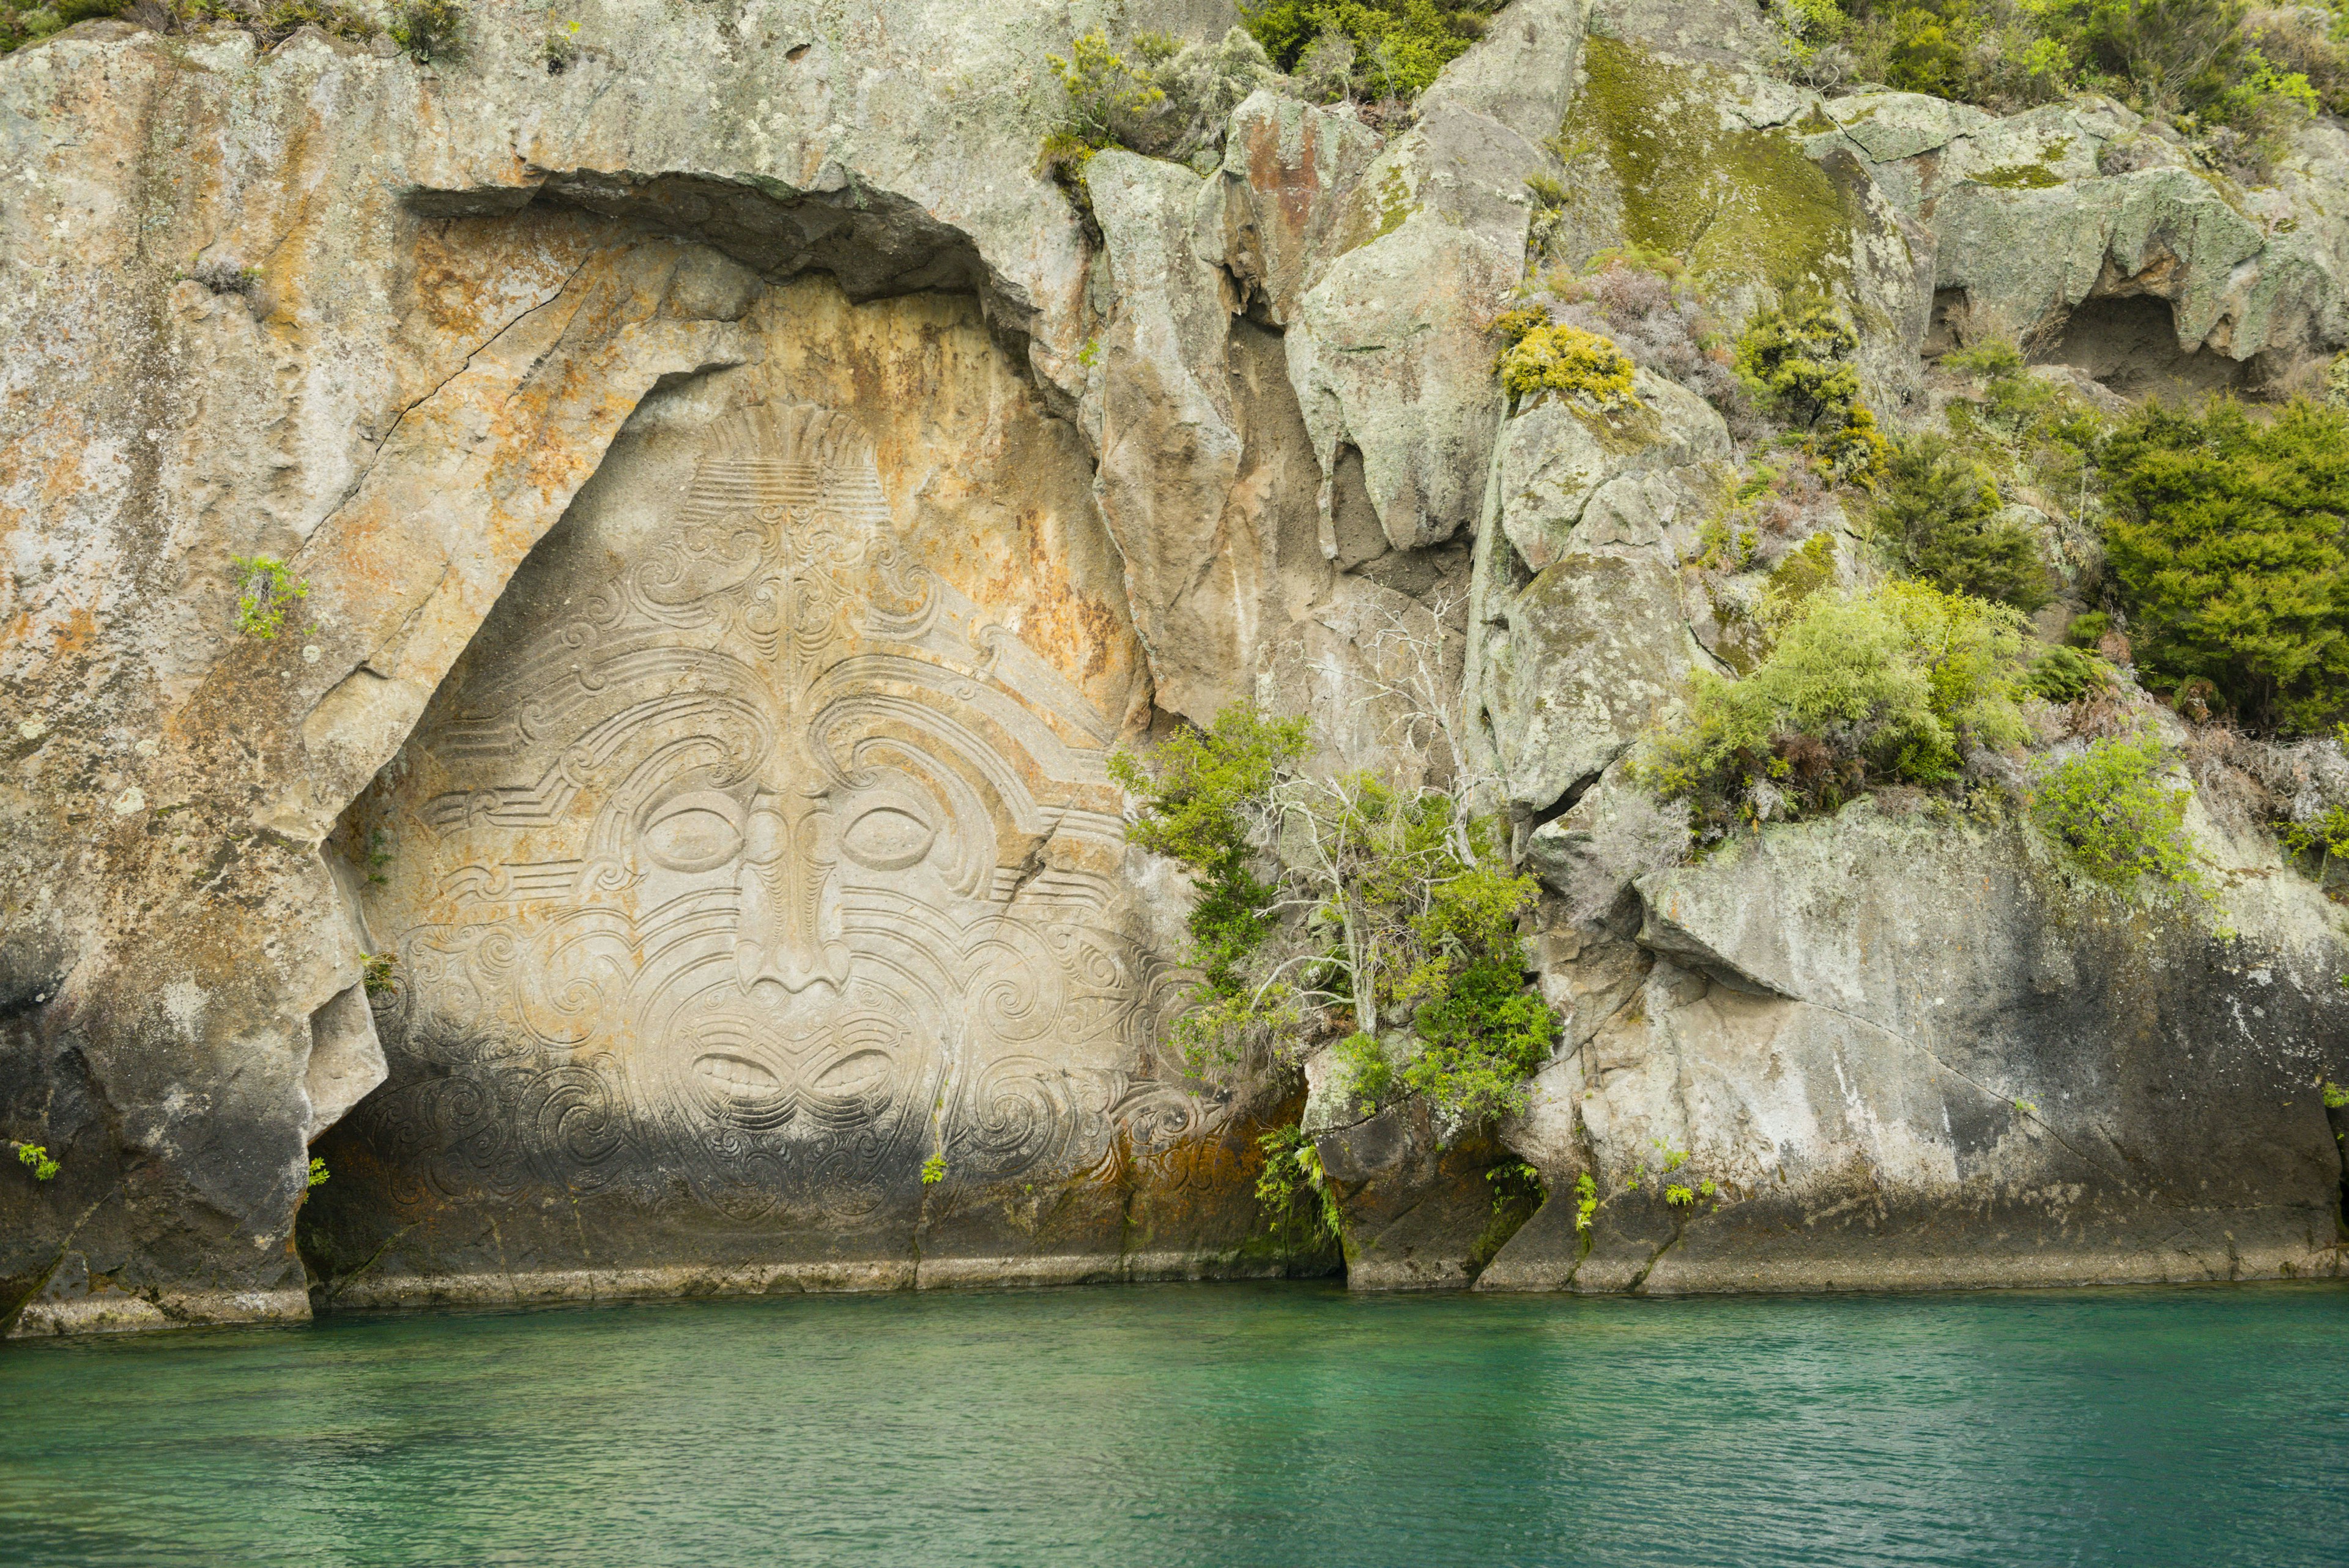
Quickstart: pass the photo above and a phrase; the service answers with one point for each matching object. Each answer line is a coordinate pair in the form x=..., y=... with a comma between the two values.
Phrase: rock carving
x=779, y=863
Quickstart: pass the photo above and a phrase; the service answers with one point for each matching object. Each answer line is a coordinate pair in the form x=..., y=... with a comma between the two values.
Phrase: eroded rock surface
x=737, y=504
x=1891, y=1049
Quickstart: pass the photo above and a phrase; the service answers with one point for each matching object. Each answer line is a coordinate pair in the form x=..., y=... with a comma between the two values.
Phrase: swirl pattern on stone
x=775, y=866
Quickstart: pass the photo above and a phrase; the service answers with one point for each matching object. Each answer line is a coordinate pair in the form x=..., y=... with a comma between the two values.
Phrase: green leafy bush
x=267, y=594
x=1483, y=1034
x=2115, y=812
x=35, y=1158
x=1796, y=362
x=2041, y=435
x=1160, y=97
x=431, y=30
x=21, y=23
x=1937, y=515
x=1398, y=907
x=1370, y=1073
x=1891, y=686
x=2221, y=61
x=1579, y=365
x=1107, y=94
x=2066, y=675
x=2227, y=544
x=1291, y=1187
x=1396, y=46
x=1205, y=806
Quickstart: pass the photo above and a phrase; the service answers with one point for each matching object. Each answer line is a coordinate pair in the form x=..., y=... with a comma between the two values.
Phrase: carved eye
x=858, y=1074
x=887, y=839
x=696, y=833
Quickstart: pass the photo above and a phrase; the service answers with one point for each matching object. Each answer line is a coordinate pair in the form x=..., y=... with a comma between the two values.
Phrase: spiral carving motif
x=744, y=881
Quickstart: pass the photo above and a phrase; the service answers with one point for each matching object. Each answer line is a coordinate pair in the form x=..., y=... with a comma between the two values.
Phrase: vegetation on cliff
x=1342, y=910
x=2251, y=73
x=2117, y=810
x=1893, y=685
x=1369, y=49
x=426, y=30
x=1940, y=519
x=2229, y=541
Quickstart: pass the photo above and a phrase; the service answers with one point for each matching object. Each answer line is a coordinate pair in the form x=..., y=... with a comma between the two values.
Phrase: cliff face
x=738, y=504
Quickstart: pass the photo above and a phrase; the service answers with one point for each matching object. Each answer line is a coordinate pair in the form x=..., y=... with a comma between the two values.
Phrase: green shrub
x=2088, y=630
x=1891, y=686
x=2227, y=544
x=1796, y=363
x=1566, y=360
x=1370, y=1074
x=1937, y=512
x=1162, y=97
x=35, y=1158
x=1204, y=808
x=1291, y=1186
x=1107, y=94
x=1398, y=46
x=431, y=30
x=317, y=1176
x=2115, y=812
x=2033, y=431
x=1482, y=1032
x=2219, y=60
x=267, y=594
x=21, y=25
x=2066, y=675
x=1409, y=912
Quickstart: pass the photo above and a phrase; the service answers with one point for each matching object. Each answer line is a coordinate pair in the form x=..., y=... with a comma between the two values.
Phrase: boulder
x=1902, y=1049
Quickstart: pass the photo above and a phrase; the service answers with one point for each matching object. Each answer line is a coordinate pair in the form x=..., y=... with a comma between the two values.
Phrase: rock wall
x=738, y=504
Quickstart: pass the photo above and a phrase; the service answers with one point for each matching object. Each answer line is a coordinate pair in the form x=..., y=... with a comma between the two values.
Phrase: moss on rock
x=1739, y=204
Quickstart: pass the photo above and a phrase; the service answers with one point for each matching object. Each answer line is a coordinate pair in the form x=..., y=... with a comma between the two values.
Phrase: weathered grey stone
x=1420, y=1212
x=1388, y=348
x=1599, y=644
x=1390, y=358
x=1906, y=1050
x=1288, y=172
x=2033, y=215
x=1558, y=456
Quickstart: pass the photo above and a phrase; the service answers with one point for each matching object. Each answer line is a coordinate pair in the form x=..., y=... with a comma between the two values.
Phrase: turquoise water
x=1287, y=1425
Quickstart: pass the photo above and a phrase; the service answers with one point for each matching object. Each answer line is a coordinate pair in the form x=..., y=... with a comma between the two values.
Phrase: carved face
x=786, y=842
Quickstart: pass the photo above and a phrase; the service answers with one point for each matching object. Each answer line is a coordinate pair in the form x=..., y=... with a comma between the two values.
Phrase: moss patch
x=1737, y=204
x=2038, y=176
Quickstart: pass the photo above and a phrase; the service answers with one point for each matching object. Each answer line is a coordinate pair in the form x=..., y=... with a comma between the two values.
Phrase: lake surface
x=1281, y=1424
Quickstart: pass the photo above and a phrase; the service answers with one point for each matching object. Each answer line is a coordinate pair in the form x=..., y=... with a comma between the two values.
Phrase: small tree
x=1938, y=511
x=2230, y=540
x=1341, y=907
x=1796, y=362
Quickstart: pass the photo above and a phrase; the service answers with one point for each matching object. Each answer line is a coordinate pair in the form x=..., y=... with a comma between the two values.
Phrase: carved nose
x=781, y=938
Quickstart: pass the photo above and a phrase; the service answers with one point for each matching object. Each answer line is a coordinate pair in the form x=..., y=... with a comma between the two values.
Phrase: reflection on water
x=1213, y=1425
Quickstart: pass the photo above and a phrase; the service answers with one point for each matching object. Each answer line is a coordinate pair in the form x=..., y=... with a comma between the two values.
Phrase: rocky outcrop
x=1894, y=1049
x=2088, y=234
x=657, y=835
x=383, y=322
